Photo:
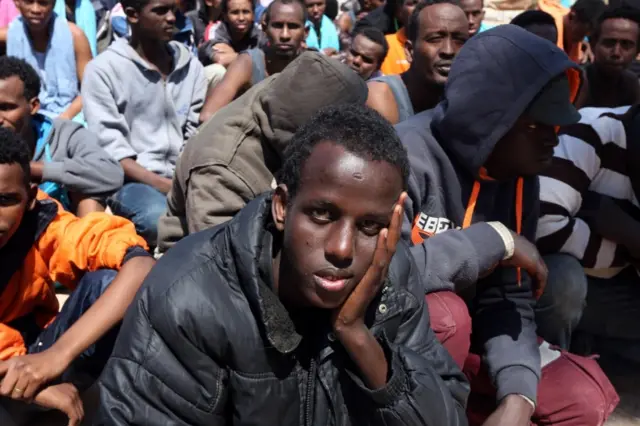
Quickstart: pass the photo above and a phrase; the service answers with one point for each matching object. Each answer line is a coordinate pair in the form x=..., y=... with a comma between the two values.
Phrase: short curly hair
x=11, y=66
x=134, y=4
x=268, y=12
x=225, y=6
x=413, y=28
x=588, y=11
x=621, y=12
x=376, y=36
x=531, y=17
x=360, y=130
x=14, y=150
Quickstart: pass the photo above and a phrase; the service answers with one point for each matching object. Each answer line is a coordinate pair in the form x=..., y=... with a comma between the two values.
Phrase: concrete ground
x=626, y=379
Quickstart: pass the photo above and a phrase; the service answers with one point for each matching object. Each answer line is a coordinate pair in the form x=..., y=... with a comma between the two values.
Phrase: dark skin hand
x=24, y=376
x=224, y=54
x=527, y=257
x=63, y=397
x=136, y=173
x=348, y=320
x=514, y=410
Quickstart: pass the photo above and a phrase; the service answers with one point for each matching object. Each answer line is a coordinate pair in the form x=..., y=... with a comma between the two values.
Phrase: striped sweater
x=591, y=162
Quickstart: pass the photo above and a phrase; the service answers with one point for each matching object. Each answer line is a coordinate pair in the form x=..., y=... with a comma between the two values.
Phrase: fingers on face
x=395, y=227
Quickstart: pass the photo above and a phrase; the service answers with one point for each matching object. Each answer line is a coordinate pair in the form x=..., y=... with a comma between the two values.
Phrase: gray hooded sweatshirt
x=234, y=156
x=73, y=158
x=137, y=114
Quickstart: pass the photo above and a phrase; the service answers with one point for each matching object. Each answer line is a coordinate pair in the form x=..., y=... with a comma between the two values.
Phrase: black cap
x=553, y=104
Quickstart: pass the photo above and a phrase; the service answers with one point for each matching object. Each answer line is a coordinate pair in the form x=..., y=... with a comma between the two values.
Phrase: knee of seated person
x=566, y=284
x=586, y=394
x=134, y=190
x=148, y=221
x=450, y=321
x=448, y=314
x=95, y=283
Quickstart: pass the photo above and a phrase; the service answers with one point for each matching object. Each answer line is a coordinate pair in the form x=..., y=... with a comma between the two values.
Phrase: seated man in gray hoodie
x=66, y=158
x=236, y=154
x=142, y=97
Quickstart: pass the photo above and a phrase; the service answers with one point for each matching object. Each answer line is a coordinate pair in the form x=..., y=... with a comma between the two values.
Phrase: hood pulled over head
x=493, y=80
x=312, y=81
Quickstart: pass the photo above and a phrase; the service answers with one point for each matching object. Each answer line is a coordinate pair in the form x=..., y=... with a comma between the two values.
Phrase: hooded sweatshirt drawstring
x=473, y=199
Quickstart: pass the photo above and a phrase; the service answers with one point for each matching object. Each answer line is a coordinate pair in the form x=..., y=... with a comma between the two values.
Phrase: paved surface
x=626, y=378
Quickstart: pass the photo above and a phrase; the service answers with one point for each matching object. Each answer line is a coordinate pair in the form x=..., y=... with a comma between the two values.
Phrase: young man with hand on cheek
x=303, y=306
x=45, y=354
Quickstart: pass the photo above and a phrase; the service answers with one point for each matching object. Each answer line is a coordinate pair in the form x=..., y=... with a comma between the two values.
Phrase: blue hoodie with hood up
x=492, y=81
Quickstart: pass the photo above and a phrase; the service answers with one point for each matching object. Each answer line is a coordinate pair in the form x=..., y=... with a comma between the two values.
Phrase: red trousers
x=573, y=390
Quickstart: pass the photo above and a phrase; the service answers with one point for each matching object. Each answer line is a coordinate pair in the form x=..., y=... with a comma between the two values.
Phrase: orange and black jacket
x=451, y=198
x=52, y=245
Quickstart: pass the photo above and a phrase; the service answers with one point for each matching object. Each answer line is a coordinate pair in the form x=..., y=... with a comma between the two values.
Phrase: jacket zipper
x=309, y=397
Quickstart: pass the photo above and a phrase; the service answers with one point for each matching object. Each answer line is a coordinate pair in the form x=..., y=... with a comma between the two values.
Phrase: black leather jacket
x=207, y=342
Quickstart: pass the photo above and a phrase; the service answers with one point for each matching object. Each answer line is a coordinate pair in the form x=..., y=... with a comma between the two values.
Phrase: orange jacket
x=64, y=248
x=396, y=60
x=574, y=52
x=555, y=9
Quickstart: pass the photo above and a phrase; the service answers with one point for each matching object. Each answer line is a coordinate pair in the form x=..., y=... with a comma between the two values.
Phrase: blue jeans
x=91, y=361
x=595, y=314
x=560, y=307
x=86, y=369
x=141, y=204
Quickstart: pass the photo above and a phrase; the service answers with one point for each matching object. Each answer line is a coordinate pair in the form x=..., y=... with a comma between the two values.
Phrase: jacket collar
x=250, y=237
x=34, y=223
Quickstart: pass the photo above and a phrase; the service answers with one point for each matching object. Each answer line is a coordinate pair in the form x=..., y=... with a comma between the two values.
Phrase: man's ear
x=33, y=192
x=408, y=50
x=306, y=32
x=132, y=15
x=279, y=202
x=34, y=105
